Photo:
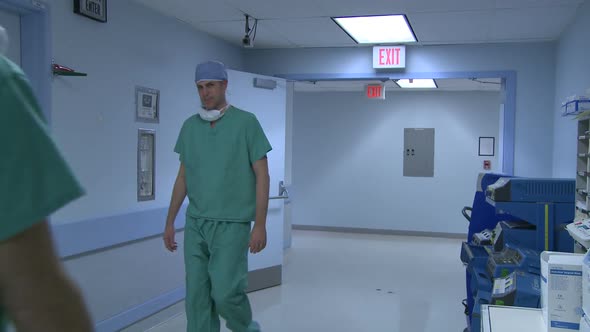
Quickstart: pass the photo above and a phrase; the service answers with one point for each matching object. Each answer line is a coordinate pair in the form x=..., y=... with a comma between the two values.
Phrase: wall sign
x=389, y=56
x=375, y=91
x=486, y=146
x=146, y=165
x=147, y=104
x=94, y=9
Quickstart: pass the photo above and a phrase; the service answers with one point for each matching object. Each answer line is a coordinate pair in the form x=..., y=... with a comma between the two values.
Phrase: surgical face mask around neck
x=211, y=115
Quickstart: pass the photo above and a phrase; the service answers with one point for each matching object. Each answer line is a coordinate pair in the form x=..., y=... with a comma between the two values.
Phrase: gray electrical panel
x=419, y=152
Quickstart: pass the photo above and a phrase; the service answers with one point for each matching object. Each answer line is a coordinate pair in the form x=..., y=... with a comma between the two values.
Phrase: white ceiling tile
x=383, y=7
x=507, y=4
x=427, y=6
x=460, y=84
x=531, y=23
x=264, y=9
x=194, y=11
x=333, y=8
x=454, y=84
x=307, y=23
x=233, y=32
x=453, y=27
x=313, y=32
x=228, y=31
x=267, y=37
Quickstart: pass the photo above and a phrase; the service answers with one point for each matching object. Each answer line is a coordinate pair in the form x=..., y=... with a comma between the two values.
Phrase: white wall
x=348, y=164
x=572, y=78
x=534, y=64
x=11, y=22
x=93, y=122
x=288, y=221
x=118, y=279
x=93, y=117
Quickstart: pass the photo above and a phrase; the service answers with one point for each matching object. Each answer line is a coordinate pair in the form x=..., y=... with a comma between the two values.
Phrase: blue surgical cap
x=210, y=71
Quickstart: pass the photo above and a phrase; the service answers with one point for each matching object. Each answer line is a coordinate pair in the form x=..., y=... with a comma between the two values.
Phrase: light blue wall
x=111, y=244
x=534, y=65
x=572, y=78
x=93, y=117
x=348, y=163
x=35, y=52
x=11, y=22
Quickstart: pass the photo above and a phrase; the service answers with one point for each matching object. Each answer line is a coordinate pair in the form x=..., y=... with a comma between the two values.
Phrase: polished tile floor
x=346, y=282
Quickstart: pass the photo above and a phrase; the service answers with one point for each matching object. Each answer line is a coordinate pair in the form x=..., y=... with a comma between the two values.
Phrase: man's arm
x=36, y=292
x=258, y=238
x=178, y=195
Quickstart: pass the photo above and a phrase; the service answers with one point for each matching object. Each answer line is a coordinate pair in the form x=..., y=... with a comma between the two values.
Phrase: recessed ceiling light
x=377, y=29
x=426, y=83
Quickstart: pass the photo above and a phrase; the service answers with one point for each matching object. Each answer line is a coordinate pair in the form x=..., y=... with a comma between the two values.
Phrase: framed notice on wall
x=147, y=104
x=146, y=165
x=486, y=146
x=94, y=9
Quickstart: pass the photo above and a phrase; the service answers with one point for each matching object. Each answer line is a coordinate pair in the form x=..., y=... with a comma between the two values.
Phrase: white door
x=270, y=107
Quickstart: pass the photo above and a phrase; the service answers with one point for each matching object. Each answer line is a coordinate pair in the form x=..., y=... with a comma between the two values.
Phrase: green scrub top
x=218, y=159
x=35, y=181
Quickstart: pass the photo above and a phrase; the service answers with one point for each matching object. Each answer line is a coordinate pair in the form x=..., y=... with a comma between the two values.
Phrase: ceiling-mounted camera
x=248, y=40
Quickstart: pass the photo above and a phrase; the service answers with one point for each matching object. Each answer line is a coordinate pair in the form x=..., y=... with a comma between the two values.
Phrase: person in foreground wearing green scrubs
x=224, y=173
x=35, y=292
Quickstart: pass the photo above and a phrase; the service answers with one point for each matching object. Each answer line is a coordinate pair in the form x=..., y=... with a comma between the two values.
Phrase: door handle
x=283, y=193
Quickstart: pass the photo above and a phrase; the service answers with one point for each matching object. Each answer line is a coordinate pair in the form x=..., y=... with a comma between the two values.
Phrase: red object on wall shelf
x=65, y=71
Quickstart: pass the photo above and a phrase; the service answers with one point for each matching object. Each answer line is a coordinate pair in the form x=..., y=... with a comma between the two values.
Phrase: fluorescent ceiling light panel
x=426, y=83
x=377, y=29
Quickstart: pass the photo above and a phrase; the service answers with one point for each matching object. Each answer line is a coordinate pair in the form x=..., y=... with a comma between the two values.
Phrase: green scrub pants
x=216, y=262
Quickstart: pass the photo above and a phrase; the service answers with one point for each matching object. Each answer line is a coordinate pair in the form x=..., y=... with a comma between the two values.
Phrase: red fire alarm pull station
x=487, y=164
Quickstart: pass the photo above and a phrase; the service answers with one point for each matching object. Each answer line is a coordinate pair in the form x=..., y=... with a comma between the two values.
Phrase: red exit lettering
x=389, y=56
x=374, y=91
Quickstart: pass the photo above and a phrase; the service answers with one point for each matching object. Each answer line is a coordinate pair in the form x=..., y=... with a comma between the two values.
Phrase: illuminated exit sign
x=389, y=57
x=376, y=91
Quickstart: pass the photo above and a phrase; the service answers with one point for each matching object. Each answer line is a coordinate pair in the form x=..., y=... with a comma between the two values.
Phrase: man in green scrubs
x=224, y=173
x=35, y=181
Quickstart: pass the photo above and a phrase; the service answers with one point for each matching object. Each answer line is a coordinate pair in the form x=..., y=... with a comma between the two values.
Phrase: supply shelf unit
x=583, y=169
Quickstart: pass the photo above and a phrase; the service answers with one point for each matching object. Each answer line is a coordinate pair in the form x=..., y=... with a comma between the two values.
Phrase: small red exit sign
x=375, y=91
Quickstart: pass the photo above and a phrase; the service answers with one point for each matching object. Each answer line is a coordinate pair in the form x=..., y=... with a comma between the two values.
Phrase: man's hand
x=169, y=242
x=258, y=236
x=257, y=239
x=35, y=290
x=178, y=195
